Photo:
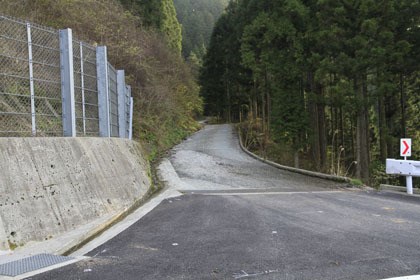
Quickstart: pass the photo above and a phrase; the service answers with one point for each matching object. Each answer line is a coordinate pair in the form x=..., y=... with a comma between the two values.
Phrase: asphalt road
x=242, y=219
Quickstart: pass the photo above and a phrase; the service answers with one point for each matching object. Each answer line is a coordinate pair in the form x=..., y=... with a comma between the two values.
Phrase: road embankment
x=50, y=186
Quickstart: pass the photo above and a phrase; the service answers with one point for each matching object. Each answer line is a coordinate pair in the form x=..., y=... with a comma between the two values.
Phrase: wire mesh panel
x=15, y=96
x=113, y=101
x=78, y=89
x=47, y=81
x=85, y=88
x=30, y=86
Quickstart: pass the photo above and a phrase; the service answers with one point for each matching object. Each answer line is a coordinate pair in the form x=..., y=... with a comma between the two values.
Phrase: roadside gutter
x=293, y=169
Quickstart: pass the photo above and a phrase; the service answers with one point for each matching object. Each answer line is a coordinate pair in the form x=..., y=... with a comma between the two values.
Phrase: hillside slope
x=165, y=95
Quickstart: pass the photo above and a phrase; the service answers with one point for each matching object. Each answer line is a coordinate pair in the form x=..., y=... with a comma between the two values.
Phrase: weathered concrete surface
x=49, y=186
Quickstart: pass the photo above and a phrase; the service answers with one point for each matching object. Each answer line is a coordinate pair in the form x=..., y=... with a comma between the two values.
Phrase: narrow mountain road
x=212, y=160
x=241, y=219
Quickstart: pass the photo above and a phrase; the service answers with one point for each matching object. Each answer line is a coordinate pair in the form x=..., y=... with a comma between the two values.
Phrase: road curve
x=213, y=160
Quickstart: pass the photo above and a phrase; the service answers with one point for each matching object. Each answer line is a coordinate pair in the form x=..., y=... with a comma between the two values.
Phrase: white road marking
x=244, y=274
x=413, y=277
x=261, y=193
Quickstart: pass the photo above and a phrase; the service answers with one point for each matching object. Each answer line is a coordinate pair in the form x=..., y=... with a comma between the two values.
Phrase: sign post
x=405, y=151
x=405, y=148
x=407, y=168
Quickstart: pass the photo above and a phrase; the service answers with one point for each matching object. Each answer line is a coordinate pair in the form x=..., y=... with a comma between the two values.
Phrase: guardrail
x=407, y=168
x=54, y=85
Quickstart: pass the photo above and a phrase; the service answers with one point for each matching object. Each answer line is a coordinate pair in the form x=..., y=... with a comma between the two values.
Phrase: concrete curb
x=90, y=235
x=293, y=169
x=400, y=189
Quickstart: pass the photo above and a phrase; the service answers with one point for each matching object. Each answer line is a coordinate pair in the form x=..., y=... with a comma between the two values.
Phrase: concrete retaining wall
x=49, y=186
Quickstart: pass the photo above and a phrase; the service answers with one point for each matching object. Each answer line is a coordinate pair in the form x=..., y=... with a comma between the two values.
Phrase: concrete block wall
x=49, y=186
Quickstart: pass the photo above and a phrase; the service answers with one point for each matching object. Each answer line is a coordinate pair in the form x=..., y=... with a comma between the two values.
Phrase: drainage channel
x=30, y=264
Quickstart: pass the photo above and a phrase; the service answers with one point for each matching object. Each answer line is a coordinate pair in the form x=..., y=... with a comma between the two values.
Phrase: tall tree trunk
x=229, y=104
x=383, y=131
x=255, y=100
x=389, y=103
x=268, y=102
x=263, y=112
x=268, y=96
x=313, y=113
x=341, y=121
x=362, y=132
x=403, y=107
x=322, y=133
x=296, y=159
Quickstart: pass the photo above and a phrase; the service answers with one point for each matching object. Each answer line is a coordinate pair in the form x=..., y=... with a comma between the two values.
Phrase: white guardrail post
x=407, y=168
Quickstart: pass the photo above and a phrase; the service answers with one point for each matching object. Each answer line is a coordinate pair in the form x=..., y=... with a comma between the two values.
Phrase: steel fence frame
x=52, y=85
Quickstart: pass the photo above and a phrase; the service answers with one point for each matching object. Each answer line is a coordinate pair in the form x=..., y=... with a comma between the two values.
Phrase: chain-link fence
x=36, y=92
x=15, y=93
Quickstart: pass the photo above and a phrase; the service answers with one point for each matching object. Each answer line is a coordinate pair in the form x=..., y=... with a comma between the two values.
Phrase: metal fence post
x=130, y=131
x=121, y=103
x=127, y=110
x=103, y=91
x=67, y=83
x=31, y=79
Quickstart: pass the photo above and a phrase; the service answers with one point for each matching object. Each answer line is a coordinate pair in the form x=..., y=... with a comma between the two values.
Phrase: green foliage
x=337, y=81
x=356, y=182
x=166, y=96
x=160, y=15
x=170, y=25
x=197, y=18
x=149, y=11
x=12, y=245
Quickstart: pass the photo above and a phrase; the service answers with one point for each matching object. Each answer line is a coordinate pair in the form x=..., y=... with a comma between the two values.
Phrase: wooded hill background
x=197, y=18
x=328, y=85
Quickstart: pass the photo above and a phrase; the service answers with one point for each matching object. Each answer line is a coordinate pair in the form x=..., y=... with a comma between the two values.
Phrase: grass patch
x=356, y=182
x=12, y=245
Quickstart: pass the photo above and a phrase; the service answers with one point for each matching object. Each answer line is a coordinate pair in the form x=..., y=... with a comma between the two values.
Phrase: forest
x=197, y=18
x=326, y=85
